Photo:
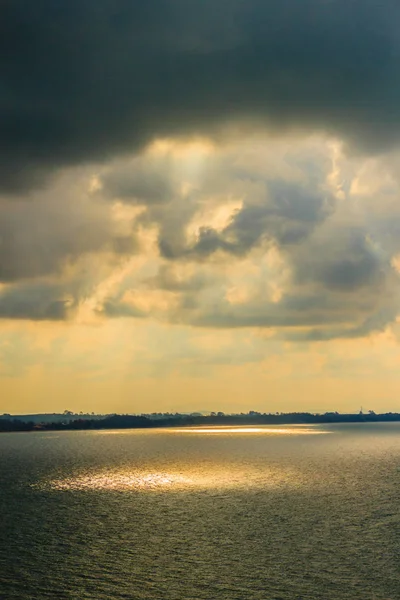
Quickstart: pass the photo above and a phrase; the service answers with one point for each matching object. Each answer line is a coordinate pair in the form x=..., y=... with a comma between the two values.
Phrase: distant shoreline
x=72, y=422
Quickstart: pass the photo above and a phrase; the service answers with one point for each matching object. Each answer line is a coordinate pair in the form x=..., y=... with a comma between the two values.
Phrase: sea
x=251, y=513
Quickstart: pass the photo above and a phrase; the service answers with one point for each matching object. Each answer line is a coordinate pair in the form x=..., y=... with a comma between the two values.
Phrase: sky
x=199, y=205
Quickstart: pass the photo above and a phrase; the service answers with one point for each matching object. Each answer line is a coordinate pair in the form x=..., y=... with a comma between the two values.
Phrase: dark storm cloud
x=82, y=80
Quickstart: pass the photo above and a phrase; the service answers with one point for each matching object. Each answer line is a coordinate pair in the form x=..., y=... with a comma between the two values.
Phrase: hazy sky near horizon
x=199, y=205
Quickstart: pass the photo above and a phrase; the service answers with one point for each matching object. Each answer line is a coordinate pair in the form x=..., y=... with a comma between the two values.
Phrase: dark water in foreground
x=179, y=515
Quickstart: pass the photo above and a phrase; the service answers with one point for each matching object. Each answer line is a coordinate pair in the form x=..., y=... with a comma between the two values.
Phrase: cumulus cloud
x=82, y=81
x=277, y=235
x=43, y=237
x=266, y=237
x=36, y=302
x=285, y=215
x=143, y=180
x=55, y=244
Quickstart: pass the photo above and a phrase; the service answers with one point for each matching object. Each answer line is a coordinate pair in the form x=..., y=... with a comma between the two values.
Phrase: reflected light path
x=188, y=476
x=277, y=430
x=177, y=482
x=299, y=430
x=120, y=481
x=188, y=479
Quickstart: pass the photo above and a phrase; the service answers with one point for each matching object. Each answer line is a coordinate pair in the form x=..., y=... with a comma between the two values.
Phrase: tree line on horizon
x=125, y=421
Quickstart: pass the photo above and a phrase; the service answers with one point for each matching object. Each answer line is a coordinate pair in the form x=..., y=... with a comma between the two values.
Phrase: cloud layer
x=215, y=164
x=83, y=81
x=273, y=234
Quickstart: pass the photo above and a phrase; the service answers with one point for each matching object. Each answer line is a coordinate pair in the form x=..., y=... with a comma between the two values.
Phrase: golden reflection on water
x=264, y=430
x=120, y=481
x=188, y=477
x=125, y=481
x=278, y=430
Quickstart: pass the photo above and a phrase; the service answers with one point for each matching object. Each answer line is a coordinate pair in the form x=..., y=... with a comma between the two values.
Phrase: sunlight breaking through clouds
x=249, y=193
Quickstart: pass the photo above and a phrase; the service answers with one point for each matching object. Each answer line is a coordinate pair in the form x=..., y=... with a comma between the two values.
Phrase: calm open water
x=262, y=513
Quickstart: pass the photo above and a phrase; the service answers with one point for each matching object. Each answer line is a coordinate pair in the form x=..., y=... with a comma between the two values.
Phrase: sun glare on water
x=188, y=477
x=263, y=430
x=120, y=481
x=189, y=480
x=292, y=430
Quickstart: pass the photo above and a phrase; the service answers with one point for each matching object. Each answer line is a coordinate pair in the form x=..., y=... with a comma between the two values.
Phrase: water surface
x=249, y=513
